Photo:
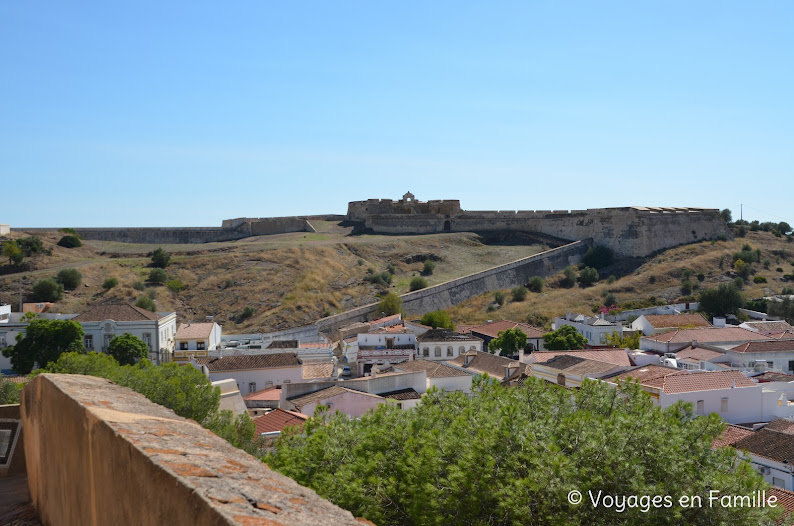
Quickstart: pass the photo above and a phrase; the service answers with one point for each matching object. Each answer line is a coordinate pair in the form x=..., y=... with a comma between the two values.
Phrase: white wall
x=745, y=404
x=275, y=375
x=458, y=348
x=452, y=383
x=595, y=334
x=350, y=403
x=5, y=313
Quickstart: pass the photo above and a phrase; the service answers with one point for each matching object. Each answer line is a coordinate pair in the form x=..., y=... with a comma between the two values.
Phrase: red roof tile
x=266, y=394
x=250, y=361
x=730, y=436
x=708, y=335
x=192, y=331
x=785, y=500
x=697, y=353
x=704, y=381
x=495, y=327
x=613, y=356
x=278, y=420
x=767, y=346
x=116, y=312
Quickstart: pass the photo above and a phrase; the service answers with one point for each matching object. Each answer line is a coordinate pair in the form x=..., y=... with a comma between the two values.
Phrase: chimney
x=209, y=319
x=467, y=359
x=568, y=316
x=373, y=373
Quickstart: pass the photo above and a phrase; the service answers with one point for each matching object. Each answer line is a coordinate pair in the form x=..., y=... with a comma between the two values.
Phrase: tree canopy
x=43, y=342
x=128, y=349
x=564, y=338
x=47, y=290
x=725, y=299
x=438, y=319
x=160, y=258
x=509, y=342
x=510, y=456
x=12, y=251
x=390, y=304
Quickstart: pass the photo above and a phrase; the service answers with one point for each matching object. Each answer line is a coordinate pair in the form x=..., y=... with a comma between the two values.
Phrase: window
x=108, y=337
x=561, y=379
x=88, y=341
x=724, y=405
x=2, y=340
x=461, y=349
x=603, y=338
x=700, y=407
x=426, y=352
x=438, y=352
x=791, y=365
x=449, y=351
x=779, y=483
x=268, y=384
x=251, y=387
x=183, y=346
x=201, y=345
x=147, y=339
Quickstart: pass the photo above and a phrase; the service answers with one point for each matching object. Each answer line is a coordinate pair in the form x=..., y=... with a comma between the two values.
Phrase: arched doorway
x=447, y=226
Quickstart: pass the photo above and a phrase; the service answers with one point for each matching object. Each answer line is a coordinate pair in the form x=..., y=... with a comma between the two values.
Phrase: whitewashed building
x=253, y=372
x=594, y=328
x=196, y=339
x=445, y=344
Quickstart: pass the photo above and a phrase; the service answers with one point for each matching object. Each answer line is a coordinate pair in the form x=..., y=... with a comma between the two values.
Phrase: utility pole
x=741, y=212
x=20, y=294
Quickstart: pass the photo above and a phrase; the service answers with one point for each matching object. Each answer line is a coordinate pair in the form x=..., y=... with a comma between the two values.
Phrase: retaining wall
x=627, y=231
x=100, y=454
x=452, y=292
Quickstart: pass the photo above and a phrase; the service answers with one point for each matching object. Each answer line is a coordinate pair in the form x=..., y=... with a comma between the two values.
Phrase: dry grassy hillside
x=639, y=280
x=288, y=279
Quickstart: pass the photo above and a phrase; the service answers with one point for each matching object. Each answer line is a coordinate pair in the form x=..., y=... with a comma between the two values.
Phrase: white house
x=674, y=341
x=196, y=339
x=384, y=346
x=571, y=371
x=762, y=355
x=439, y=375
x=101, y=323
x=488, y=331
x=594, y=328
x=337, y=398
x=769, y=449
x=497, y=367
x=659, y=323
x=5, y=313
x=733, y=396
x=768, y=327
x=253, y=372
x=445, y=344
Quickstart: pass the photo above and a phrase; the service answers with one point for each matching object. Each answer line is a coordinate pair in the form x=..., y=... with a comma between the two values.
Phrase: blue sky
x=186, y=113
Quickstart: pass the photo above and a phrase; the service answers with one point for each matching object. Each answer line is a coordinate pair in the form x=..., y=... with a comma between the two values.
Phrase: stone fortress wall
x=629, y=231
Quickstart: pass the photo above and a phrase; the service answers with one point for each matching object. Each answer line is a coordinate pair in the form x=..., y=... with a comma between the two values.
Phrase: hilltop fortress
x=629, y=231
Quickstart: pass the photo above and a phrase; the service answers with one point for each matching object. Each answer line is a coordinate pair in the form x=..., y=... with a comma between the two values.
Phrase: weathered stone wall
x=100, y=454
x=628, y=231
x=17, y=466
x=452, y=292
x=264, y=226
x=360, y=210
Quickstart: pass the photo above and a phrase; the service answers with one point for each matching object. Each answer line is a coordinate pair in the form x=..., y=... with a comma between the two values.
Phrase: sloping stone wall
x=100, y=454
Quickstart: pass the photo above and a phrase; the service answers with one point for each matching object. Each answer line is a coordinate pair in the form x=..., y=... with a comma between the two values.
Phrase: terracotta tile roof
x=116, y=312
x=708, y=335
x=767, y=346
x=704, y=381
x=385, y=319
x=278, y=420
x=775, y=442
x=578, y=365
x=516, y=380
x=697, y=354
x=16, y=379
x=433, y=369
x=317, y=370
x=781, y=425
x=402, y=394
x=771, y=376
x=250, y=361
x=193, y=331
x=267, y=394
x=663, y=321
x=769, y=326
x=445, y=335
x=645, y=374
x=785, y=500
x=730, y=436
x=493, y=329
x=322, y=395
x=390, y=329
x=613, y=356
x=488, y=363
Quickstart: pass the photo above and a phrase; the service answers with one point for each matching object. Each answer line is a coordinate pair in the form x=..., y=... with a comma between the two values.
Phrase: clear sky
x=186, y=113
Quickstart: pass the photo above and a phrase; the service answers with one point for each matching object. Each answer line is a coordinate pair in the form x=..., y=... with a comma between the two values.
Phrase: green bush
x=32, y=246
x=109, y=283
x=686, y=274
x=588, y=276
x=71, y=231
x=145, y=302
x=610, y=300
x=569, y=277
x=70, y=242
x=383, y=279
x=738, y=283
x=787, y=291
x=686, y=287
x=228, y=283
x=47, y=290
x=499, y=297
x=158, y=275
x=418, y=283
x=759, y=279
x=160, y=258
x=535, y=284
x=246, y=313
x=491, y=307
x=70, y=278
x=391, y=269
x=438, y=319
x=597, y=257
x=611, y=279
x=519, y=293
x=176, y=285
x=390, y=304
x=701, y=277
x=139, y=285
x=428, y=268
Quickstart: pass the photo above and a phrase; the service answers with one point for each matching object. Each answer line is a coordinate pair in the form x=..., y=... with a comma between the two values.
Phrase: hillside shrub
x=499, y=297
x=47, y=290
x=70, y=278
x=569, y=277
x=176, y=285
x=588, y=276
x=160, y=258
x=428, y=268
x=246, y=313
x=139, y=285
x=70, y=242
x=598, y=257
x=535, y=284
x=418, y=283
x=759, y=279
x=686, y=287
x=158, y=276
x=145, y=302
x=109, y=283
x=519, y=293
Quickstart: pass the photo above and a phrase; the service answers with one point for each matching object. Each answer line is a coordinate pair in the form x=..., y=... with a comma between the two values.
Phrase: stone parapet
x=100, y=454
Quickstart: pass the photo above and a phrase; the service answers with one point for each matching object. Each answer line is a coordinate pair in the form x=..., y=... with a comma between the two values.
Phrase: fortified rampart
x=630, y=231
x=360, y=210
x=452, y=292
